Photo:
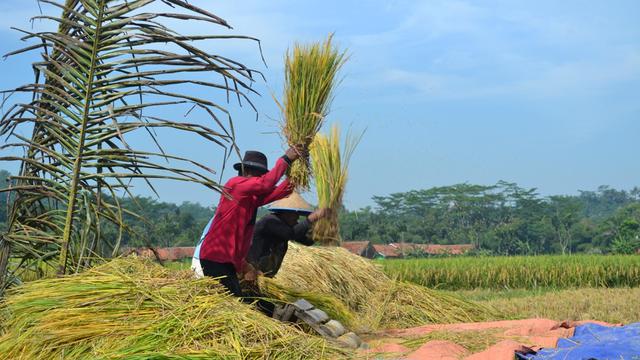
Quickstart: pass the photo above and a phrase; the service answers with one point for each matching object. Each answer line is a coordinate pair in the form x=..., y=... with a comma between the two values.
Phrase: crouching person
x=274, y=231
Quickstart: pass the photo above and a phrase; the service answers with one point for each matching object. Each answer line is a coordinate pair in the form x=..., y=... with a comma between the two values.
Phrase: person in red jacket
x=226, y=245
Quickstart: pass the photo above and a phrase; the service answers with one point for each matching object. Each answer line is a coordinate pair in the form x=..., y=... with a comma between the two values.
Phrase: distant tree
x=627, y=241
x=603, y=202
x=503, y=218
x=565, y=213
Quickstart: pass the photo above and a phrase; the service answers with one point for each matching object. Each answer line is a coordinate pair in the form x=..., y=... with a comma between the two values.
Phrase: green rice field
x=518, y=272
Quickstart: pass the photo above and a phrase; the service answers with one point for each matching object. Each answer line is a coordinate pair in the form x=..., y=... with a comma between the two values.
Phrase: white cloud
x=572, y=79
x=462, y=50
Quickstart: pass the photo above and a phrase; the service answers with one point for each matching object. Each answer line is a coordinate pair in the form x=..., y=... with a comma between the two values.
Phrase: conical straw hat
x=293, y=202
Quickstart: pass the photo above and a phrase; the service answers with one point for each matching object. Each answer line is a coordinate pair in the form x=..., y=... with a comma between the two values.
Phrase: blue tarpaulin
x=592, y=341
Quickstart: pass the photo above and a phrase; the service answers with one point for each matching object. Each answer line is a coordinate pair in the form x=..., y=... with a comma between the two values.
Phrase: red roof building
x=361, y=248
x=388, y=251
x=399, y=250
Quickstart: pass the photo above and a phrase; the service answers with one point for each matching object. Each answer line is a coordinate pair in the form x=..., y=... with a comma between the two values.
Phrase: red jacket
x=229, y=238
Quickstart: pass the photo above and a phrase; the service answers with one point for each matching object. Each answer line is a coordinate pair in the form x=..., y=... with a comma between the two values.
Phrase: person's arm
x=301, y=230
x=264, y=184
x=298, y=233
x=261, y=185
x=301, y=233
x=280, y=192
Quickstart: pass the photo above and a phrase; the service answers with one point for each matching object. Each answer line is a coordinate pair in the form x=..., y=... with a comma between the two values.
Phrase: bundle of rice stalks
x=331, y=271
x=330, y=170
x=333, y=306
x=310, y=78
x=136, y=310
x=376, y=301
x=405, y=305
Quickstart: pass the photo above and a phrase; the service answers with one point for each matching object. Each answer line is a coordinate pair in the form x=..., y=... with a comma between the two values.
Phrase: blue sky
x=542, y=93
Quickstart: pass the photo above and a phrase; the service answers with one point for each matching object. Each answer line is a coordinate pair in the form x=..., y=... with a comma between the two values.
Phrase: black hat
x=253, y=159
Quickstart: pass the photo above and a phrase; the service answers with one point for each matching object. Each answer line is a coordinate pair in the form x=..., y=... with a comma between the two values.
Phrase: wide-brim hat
x=253, y=159
x=293, y=202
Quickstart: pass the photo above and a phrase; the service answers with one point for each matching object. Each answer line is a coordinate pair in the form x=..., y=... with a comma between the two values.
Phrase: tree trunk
x=4, y=264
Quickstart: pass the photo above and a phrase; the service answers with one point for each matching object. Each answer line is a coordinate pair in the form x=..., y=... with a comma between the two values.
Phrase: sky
x=541, y=93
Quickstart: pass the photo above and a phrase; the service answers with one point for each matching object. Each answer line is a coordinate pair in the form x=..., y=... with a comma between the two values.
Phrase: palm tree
x=103, y=75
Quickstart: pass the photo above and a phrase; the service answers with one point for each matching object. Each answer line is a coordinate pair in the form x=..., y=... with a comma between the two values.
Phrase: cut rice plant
x=130, y=309
x=472, y=340
x=400, y=305
x=333, y=306
x=330, y=170
x=329, y=270
x=375, y=300
x=310, y=79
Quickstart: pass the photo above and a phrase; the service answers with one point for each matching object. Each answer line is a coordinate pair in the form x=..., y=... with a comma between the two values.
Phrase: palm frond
x=106, y=73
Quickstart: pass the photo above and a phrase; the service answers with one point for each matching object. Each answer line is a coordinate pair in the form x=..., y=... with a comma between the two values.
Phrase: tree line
x=503, y=219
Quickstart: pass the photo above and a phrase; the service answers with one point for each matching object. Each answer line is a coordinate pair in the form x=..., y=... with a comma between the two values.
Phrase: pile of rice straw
x=310, y=78
x=130, y=309
x=330, y=172
x=374, y=301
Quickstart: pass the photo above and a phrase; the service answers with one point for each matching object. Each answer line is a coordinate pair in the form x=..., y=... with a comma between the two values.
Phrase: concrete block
x=314, y=316
x=350, y=339
x=303, y=305
x=334, y=328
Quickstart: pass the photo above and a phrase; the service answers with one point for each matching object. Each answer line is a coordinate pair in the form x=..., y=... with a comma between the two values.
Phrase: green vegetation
x=518, y=272
x=503, y=219
x=609, y=221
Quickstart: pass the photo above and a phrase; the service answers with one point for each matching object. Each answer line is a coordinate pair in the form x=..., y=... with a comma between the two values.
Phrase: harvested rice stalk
x=329, y=270
x=376, y=301
x=310, y=78
x=335, y=308
x=130, y=309
x=405, y=305
x=330, y=170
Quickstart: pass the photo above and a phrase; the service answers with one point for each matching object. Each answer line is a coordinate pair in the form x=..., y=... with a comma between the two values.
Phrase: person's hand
x=250, y=276
x=293, y=153
x=250, y=273
x=318, y=214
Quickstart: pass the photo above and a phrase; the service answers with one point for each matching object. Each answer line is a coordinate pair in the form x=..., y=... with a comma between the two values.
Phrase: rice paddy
x=519, y=272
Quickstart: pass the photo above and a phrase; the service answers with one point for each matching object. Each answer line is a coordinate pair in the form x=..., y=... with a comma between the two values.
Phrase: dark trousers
x=226, y=273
